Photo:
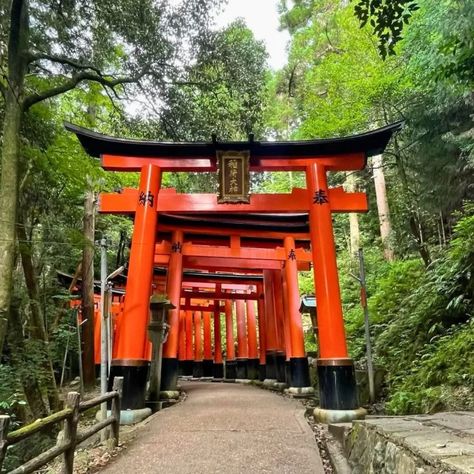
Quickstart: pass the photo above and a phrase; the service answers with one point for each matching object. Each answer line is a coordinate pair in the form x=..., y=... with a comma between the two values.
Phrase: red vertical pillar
x=335, y=369
x=207, y=362
x=182, y=337
x=230, y=363
x=253, y=362
x=299, y=368
x=270, y=325
x=197, y=367
x=261, y=332
x=286, y=318
x=169, y=369
x=97, y=334
x=280, y=313
x=286, y=328
x=131, y=361
x=242, y=342
x=218, y=368
x=189, y=344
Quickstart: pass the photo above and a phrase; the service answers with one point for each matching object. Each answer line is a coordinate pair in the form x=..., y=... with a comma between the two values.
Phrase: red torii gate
x=246, y=290
x=262, y=254
x=315, y=158
x=234, y=257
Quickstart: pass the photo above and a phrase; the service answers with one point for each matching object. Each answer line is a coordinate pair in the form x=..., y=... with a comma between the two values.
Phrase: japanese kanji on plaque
x=233, y=176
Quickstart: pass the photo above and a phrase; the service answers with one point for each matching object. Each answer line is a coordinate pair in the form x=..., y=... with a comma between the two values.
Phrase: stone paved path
x=224, y=428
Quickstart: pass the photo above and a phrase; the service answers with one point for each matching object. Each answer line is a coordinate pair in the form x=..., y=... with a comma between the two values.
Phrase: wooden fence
x=72, y=437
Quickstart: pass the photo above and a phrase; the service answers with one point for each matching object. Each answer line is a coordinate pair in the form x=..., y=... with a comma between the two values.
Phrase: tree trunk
x=353, y=218
x=382, y=207
x=414, y=221
x=17, y=60
x=37, y=323
x=88, y=291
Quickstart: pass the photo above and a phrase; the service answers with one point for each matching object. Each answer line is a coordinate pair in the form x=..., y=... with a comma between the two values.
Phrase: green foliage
x=310, y=343
x=440, y=42
x=422, y=327
x=342, y=78
x=11, y=396
x=442, y=376
x=337, y=84
x=387, y=20
x=224, y=91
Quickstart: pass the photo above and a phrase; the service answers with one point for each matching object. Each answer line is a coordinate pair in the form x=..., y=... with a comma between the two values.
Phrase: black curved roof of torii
x=371, y=143
x=250, y=221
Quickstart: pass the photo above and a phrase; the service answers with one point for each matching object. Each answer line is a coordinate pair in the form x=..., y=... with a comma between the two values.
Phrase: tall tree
x=126, y=43
x=87, y=287
x=351, y=183
x=382, y=207
x=225, y=92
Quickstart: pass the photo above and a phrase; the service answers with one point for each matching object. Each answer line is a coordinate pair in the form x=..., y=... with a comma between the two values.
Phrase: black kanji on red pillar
x=292, y=255
x=176, y=247
x=320, y=197
x=143, y=198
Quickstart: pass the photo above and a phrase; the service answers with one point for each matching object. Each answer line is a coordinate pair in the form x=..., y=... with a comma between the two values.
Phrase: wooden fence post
x=70, y=431
x=4, y=424
x=115, y=409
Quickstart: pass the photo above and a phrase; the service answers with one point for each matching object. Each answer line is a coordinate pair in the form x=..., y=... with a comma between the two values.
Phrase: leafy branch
x=32, y=57
x=387, y=19
x=77, y=78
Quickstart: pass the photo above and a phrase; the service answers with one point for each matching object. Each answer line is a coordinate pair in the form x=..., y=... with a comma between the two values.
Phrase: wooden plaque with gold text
x=234, y=176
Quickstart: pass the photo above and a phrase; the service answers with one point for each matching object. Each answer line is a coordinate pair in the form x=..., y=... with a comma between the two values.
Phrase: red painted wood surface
x=217, y=334
x=270, y=319
x=251, y=330
x=207, y=335
x=261, y=326
x=279, y=309
x=197, y=335
x=173, y=289
x=170, y=202
x=212, y=295
x=132, y=343
x=229, y=331
x=293, y=295
x=346, y=162
x=242, y=342
x=182, y=336
x=189, y=335
x=286, y=316
x=332, y=339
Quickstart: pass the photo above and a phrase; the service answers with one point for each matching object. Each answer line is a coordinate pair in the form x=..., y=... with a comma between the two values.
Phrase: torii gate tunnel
x=247, y=251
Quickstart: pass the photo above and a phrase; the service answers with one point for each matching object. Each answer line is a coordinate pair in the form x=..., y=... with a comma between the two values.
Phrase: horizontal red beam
x=171, y=202
x=130, y=163
x=347, y=162
x=195, y=307
x=203, y=235
x=219, y=295
x=238, y=279
x=212, y=286
x=191, y=250
x=226, y=264
x=241, y=265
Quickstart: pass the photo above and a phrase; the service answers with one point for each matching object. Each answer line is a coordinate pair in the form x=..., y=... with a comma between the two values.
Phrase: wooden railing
x=72, y=437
